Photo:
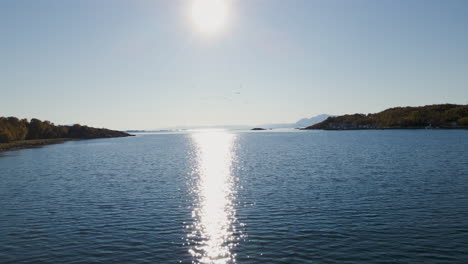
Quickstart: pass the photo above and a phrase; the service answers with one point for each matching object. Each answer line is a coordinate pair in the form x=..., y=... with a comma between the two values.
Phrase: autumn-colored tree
x=463, y=121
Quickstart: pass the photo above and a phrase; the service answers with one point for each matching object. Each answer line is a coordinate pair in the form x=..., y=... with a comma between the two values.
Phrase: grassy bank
x=34, y=143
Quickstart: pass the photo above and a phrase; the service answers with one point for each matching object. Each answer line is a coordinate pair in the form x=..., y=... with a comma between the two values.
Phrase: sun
x=210, y=16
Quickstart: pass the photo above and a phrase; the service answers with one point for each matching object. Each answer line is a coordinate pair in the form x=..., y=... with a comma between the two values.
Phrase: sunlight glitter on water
x=212, y=237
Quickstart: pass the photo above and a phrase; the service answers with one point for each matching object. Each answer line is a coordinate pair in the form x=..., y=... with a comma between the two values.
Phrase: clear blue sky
x=141, y=64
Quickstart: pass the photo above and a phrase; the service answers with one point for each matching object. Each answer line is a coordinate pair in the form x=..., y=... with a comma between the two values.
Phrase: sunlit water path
x=213, y=231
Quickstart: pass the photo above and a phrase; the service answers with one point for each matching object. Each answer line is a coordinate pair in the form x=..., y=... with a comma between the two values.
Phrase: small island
x=442, y=116
x=20, y=133
x=258, y=129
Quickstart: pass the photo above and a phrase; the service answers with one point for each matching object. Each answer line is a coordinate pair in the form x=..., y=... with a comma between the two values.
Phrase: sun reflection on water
x=213, y=235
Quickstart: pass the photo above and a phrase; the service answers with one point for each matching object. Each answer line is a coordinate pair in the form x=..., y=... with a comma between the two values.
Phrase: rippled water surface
x=239, y=197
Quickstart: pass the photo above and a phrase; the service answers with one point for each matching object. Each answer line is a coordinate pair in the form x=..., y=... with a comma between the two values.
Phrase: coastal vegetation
x=429, y=116
x=13, y=129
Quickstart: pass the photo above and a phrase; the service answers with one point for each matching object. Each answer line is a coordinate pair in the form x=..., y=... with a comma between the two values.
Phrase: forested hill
x=429, y=116
x=14, y=129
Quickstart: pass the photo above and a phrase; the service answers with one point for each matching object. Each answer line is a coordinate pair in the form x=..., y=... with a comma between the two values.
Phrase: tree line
x=14, y=129
x=434, y=116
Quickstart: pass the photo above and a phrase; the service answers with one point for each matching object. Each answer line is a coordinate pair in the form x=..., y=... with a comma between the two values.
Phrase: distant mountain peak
x=305, y=122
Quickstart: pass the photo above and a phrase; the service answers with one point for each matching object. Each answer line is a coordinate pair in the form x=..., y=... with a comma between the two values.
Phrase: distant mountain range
x=305, y=122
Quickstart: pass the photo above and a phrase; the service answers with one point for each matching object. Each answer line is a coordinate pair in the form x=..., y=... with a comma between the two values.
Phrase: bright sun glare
x=209, y=16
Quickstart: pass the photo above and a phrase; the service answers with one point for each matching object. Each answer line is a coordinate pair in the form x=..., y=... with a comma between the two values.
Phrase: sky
x=147, y=64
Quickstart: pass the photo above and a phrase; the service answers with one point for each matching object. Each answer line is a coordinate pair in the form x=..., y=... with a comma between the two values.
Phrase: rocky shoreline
x=34, y=143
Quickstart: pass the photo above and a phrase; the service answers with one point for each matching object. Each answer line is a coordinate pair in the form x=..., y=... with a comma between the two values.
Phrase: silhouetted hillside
x=429, y=116
x=14, y=129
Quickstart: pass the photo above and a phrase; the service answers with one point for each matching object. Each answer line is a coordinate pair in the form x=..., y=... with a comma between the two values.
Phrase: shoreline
x=33, y=143
x=389, y=128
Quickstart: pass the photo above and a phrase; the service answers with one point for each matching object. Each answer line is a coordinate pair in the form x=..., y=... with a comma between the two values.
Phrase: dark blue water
x=239, y=197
